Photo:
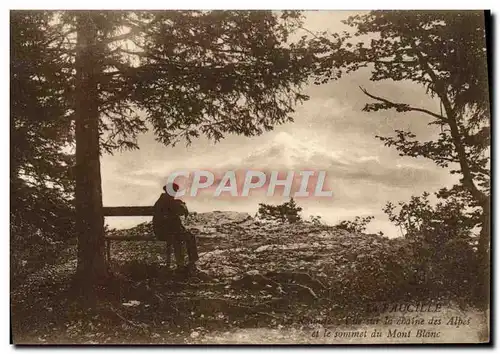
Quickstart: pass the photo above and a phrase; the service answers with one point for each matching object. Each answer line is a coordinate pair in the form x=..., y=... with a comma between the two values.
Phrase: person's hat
x=174, y=186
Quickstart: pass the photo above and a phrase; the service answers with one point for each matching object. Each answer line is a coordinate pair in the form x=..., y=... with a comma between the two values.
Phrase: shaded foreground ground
x=258, y=283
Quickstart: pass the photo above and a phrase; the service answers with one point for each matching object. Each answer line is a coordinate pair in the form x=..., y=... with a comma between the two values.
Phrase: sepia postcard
x=250, y=177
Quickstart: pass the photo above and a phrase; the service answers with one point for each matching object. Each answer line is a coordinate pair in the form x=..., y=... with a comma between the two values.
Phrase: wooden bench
x=127, y=211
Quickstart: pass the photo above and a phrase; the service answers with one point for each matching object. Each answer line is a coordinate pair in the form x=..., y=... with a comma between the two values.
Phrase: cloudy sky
x=330, y=133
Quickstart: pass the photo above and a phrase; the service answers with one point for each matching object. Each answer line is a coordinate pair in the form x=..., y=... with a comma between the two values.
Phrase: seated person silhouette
x=168, y=227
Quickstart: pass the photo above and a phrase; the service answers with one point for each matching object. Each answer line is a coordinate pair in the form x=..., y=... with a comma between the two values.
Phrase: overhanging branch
x=404, y=106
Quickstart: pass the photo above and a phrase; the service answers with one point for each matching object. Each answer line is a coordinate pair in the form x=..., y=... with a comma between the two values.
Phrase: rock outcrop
x=240, y=250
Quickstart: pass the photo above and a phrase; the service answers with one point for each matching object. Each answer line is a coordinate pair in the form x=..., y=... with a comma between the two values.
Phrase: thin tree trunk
x=92, y=266
x=484, y=201
x=451, y=119
x=485, y=255
x=468, y=180
x=484, y=239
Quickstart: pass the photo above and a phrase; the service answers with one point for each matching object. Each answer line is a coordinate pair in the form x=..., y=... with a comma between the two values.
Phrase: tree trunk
x=484, y=255
x=482, y=199
x=483, y=247
x=468, y=180
x=92, y=266
x=484, y=237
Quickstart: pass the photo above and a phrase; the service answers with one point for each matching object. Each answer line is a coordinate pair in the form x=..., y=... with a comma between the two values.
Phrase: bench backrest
x=128, y=211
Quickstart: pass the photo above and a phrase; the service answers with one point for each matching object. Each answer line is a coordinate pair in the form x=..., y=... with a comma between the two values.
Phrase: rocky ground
x=252, y=274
